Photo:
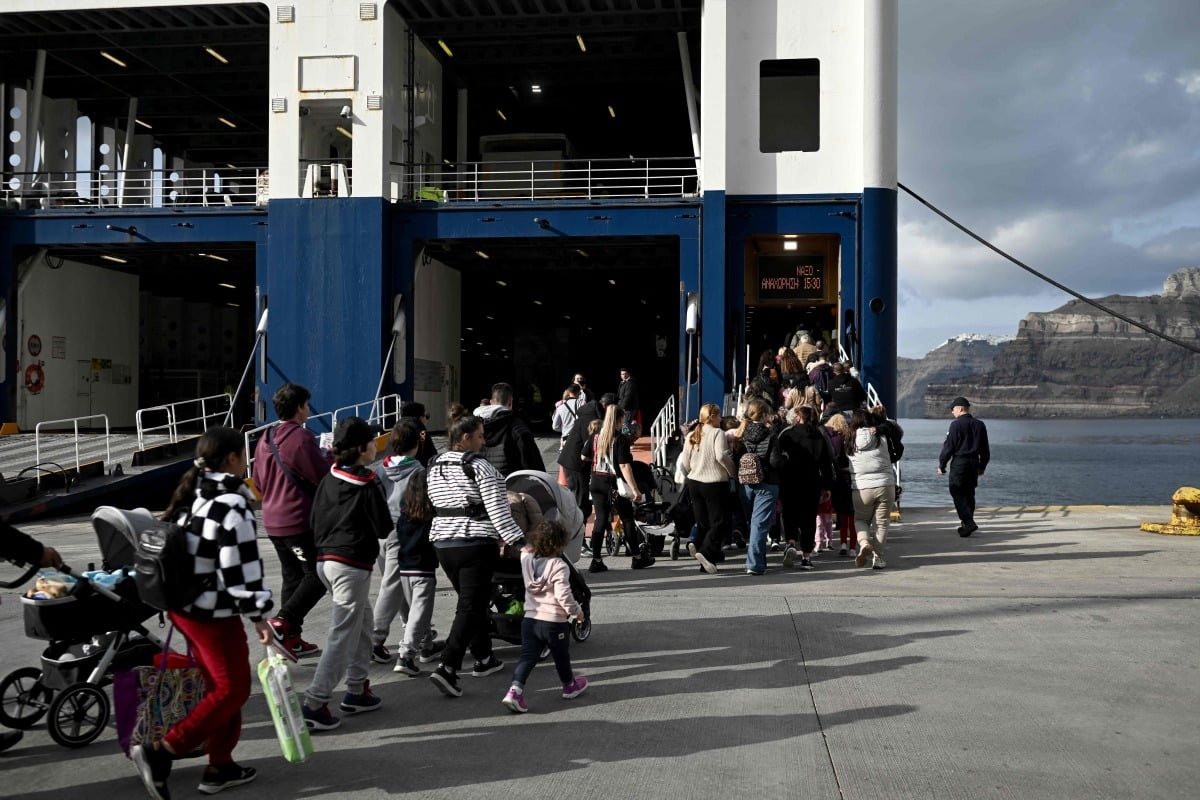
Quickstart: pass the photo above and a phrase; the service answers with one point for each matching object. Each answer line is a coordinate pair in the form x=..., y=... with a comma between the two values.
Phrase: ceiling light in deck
x=226, y=122
x=612, y=113
x=226, y=285
x=144, y=124
x=113, y=59
x=501, y=113
x=579, y=41
x=482, y=254
x=789, y=245
x=445, y=48
x=114, y=258
x=536, y=89
x=215, y=257
x=342, y=130
x=216, y=55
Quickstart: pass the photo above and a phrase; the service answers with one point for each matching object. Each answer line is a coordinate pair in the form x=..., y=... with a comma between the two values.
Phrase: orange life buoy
x=35, y=379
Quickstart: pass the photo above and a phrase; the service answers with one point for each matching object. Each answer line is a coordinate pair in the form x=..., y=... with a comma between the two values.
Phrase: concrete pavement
x=1055, y=654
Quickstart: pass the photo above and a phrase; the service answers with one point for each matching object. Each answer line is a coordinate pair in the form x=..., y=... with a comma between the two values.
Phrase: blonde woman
x=608, y=452
x=708, y=465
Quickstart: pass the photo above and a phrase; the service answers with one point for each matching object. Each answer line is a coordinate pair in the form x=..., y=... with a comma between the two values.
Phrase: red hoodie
x=287, y=508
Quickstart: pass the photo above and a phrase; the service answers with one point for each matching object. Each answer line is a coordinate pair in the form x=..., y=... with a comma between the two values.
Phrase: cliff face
x=958, y=357
x=1077, y=361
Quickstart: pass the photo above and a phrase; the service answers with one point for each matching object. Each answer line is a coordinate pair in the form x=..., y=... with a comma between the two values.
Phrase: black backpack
x=895, y=448
x=164, y=571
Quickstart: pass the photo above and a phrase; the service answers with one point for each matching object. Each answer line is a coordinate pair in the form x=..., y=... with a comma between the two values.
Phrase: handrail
x=378, y=413
x=173, y=422
x=37, y=441
x=146, y=187
x=662, y=429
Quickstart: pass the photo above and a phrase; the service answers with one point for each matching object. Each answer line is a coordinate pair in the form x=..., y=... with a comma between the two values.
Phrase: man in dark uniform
x=966, y=449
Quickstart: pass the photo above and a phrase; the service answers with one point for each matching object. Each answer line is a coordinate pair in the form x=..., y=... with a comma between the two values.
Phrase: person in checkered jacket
x=225, y=544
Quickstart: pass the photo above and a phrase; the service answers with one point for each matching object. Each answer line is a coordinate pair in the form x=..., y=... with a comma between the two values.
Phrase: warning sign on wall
x=58, y=347
x=35, y=345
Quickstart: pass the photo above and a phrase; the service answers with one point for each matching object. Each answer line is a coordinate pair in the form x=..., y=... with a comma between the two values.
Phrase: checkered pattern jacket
x=223, y=539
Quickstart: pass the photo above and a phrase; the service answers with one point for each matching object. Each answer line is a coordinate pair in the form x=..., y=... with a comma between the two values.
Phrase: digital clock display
x=791, y=276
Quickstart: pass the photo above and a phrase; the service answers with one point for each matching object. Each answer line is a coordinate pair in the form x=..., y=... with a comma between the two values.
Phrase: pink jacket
x=548, y=589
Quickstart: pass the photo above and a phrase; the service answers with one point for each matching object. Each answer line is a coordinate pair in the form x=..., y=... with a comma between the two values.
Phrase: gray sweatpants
x=409, y=596
x=348, y=647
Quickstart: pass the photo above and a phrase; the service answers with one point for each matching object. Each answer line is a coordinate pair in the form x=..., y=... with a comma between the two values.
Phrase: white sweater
x=710, y=462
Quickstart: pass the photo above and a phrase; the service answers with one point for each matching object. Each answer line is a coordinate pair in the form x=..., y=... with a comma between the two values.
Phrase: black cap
x=960, y=401
x=412, y=409
x=352, y=432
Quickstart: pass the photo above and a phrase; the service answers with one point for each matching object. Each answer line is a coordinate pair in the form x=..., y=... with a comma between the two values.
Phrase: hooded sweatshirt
x=548, y=589
x=349, y=517
x=286, y=507
x=508, y=443
x=416, y=555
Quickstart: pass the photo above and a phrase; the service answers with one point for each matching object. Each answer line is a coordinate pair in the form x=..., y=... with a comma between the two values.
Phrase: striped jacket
x=452, y=490
x=222, y=538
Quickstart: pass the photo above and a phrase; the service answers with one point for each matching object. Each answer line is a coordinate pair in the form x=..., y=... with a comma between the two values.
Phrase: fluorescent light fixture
x=612, y=113
x=501, y=283
x=579, y=41
x=445, y=48
x=144, y=124
x=791, y=245
x=114, y=258
x=482, y=254
x=233, y=305
x=566, y=316
x=113, y=59
x=215, y=257
x=216, y=55
x=582, y=253
x=342, y=130
x=791, y=236
x=226, y=122
x=226, y=285
x=501, y=113
x=537, y=302
x=536, y=89
x=470, y=329
x=612, y=281
x=489, y=316
x=231, y=166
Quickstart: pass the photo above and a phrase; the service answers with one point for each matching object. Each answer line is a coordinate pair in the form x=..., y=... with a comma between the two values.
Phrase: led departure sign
x=791, y=276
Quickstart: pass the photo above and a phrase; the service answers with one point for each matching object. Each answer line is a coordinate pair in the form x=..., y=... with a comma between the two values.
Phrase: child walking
x=350, y=516
x=549, y=607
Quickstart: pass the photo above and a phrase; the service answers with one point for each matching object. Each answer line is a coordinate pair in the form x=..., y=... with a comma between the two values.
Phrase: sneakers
x=597, y=566
x=843, y=552
x=774, y=546
x=224, y=776
x=431, y=651
x=864, y=553
x=319, y=719
x=853, y=552
x=361, y=702
x=291, y=641
x=877, y=562
x=154, y=767
x=968, y=529
x=407, y=665
x=575, y=687
x=514, y=701
x=445, y=680
x=806, y=563
x=755, y=572
x=380, y=654
x=484, y=668
x=705, y=564
x=789, y=556
x=643, y=559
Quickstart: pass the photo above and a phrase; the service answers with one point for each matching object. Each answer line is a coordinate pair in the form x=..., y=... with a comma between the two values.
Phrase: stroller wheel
x=24, y=699
x=78, y=715
x=675, y=548
x=580, y=631
x=609, y=543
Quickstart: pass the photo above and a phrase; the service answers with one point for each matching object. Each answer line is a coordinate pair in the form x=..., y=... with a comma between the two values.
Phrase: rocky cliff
x=1078, y=361
x=966, y=354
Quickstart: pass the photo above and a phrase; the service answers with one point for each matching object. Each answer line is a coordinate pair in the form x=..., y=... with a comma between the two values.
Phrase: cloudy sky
x=1067, y=132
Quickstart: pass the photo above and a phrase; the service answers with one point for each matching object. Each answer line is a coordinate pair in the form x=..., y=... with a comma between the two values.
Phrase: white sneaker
x=789, y=557
x=877, y=562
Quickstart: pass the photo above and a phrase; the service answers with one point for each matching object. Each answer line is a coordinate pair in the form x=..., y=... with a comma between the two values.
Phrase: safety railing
x=325, y=178
x=222, y=403
x=37, y=441
x=664, y=426
x=592, y=179
x=187, y=187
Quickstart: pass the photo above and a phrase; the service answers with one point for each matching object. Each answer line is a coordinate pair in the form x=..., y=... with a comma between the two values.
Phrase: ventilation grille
x=279, y=105
x=285, y=14
x=367, y=10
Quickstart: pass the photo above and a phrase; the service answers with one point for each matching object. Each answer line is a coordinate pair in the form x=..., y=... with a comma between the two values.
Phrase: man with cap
x=967, y=452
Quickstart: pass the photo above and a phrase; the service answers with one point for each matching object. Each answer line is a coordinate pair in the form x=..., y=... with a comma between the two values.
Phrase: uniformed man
x=966, y=450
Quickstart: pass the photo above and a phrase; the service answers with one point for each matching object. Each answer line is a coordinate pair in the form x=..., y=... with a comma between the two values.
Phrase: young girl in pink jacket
x=549, y=608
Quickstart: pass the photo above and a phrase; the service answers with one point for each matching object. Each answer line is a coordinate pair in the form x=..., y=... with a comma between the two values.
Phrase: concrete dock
x=1054, y=654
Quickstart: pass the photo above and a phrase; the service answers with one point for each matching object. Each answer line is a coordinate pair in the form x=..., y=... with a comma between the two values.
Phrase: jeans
x=710, y=504
x=964, y=477
x=603, y=490
x=536, y=634
x=302, y=587
x=470, y=569
x=759, y=505
x=874, y=505
x=220, y=649
x=348, y=649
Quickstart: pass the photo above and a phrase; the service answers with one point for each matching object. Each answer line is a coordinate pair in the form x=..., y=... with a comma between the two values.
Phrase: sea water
x=1061, y=462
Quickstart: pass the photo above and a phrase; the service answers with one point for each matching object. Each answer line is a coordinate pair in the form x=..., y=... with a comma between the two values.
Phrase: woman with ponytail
x=708, y=465
x=609, y=454
x=212, y=504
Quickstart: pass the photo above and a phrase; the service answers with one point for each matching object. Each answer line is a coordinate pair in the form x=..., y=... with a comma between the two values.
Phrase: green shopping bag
x=285, y=707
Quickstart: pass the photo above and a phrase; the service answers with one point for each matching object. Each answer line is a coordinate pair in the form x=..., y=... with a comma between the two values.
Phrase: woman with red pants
x=210, y=503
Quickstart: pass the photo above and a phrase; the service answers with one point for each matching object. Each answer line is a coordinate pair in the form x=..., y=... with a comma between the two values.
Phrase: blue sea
x=1059, y=462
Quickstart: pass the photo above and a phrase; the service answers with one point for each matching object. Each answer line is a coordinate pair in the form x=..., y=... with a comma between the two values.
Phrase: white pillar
x=881, y=43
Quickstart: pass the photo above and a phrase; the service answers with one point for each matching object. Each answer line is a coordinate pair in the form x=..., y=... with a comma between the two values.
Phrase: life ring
x=35, y=379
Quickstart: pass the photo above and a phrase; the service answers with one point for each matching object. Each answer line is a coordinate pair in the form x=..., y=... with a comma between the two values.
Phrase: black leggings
x=604, y=489
x=711, y=504
x=800, y=501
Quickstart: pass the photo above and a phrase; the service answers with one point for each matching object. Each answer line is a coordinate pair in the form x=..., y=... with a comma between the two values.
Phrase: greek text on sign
x=791, y=276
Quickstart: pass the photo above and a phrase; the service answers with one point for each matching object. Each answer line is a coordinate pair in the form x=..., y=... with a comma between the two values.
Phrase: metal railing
x=152, y=188
x=590, y=179
x=325, y=178
x=171, y=411
x=37, y=441
x=664, y=426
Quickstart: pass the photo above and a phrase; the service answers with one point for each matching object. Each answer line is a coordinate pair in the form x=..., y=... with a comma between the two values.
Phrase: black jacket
x=967, y=438
x=570, y=458
x=847, y=392
x=508, y=443
x=349, y=517
x=627, y=397
x=809, y=457
x=19, y=546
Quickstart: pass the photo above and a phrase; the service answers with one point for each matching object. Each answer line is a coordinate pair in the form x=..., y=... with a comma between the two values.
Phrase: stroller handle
x=29, y=573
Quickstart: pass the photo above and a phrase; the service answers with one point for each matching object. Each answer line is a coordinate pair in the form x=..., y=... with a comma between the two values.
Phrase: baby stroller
x=508, y=586
x=94, y=630
x=650, y=515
